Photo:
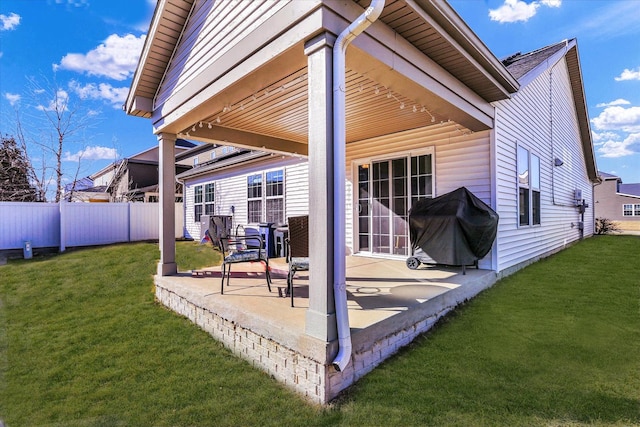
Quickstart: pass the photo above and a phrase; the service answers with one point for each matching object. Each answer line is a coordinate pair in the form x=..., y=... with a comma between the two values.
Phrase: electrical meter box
x=27, y=250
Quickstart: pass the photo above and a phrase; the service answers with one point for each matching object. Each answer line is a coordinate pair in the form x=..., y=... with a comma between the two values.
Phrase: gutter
x=339, y=167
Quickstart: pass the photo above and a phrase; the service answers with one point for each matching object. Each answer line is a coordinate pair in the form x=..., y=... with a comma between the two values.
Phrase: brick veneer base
x=317, y=380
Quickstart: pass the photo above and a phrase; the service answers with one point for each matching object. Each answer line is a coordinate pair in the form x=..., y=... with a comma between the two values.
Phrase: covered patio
x=388, y=305
x=278, y=78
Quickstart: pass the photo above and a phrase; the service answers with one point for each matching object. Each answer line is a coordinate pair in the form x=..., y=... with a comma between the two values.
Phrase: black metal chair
x=298, y=249
x=235, y=249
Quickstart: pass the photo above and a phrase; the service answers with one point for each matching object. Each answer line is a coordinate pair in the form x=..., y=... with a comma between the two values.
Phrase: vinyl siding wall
x=214, y=28
x=541, y=118
x=231, y=190
x=459, y=160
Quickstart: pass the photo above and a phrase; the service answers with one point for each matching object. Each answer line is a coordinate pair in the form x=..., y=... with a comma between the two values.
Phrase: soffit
x=166, y=27
x=280, y=110
x=434, y=28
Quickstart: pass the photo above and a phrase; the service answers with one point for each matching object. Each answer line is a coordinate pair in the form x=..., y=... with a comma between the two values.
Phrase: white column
x=167, y=191
x=321, y=316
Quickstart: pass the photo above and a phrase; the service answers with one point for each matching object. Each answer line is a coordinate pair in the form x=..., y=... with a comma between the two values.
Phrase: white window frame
x=198, y=197
x=209, y=198
x=529, y=182
x=254, y=197
x=631, y=209
x=534, y=168
x=269, y=216
x=408, y=154
x=261, y=197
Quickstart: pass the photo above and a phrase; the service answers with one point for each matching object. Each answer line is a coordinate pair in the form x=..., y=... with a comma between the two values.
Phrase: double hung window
x=528, y=168
x=631, y=210
x=265, y=197
x=209, y=198
x=197, y=203
x=203, y=200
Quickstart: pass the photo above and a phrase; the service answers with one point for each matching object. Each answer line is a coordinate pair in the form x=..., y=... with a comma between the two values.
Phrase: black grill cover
x=456, y=228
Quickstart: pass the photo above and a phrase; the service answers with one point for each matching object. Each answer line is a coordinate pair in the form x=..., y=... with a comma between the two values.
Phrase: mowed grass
x=84, y=344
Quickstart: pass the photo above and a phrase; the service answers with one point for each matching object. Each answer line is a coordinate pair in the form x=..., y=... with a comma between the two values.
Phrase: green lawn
x=82, y=343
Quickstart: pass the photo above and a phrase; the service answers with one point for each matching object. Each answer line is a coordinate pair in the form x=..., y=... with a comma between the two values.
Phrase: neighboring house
x=135, y=179
x=428, y=109
x=618, y=202
x=83, y=190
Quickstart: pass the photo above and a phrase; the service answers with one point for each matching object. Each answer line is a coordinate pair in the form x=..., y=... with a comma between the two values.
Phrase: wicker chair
x=242, y=248
x=298, y=249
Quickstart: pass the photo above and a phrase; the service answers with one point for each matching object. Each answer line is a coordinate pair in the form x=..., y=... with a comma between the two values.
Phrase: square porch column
x=167, y=191
x=321, y=315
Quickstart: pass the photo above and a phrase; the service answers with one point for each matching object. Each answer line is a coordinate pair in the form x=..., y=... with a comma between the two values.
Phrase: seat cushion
x=299, y=263
x=245, y=255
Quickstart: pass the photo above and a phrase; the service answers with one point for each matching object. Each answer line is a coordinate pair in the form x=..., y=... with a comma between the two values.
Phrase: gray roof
x=520, y=64
x=605, y=175
x=630, y=189
x=222, y=162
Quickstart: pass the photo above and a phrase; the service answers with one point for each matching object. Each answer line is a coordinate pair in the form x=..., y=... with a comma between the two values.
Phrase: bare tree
x=38, y=181
x=62, y=122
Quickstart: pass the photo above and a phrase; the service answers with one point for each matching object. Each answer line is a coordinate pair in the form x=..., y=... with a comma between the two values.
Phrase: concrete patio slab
x=388, y=306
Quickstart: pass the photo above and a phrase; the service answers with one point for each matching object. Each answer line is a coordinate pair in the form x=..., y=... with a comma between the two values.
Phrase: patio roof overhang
x=419, y=66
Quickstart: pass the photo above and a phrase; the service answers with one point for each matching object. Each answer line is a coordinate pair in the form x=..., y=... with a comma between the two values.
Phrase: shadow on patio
x=383, y=295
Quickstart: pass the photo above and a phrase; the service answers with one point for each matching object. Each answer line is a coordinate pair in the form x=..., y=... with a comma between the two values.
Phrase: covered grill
x=456, y=228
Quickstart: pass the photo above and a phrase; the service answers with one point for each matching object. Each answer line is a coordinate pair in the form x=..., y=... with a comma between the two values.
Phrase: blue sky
x=88, y=50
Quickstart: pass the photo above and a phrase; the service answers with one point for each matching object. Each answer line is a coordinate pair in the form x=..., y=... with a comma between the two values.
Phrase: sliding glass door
x=386, y=189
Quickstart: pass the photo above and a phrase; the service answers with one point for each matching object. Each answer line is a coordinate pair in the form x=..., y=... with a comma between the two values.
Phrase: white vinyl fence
x=64, y=224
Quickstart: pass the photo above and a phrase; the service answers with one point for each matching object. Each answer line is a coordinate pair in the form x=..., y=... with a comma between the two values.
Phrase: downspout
x=339, y=166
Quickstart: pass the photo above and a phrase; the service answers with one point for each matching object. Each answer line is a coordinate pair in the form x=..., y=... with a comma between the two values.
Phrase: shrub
x=606, y=226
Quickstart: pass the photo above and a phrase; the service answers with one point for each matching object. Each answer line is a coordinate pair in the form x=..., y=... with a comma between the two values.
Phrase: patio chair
x=298, y=249
x=243, y=248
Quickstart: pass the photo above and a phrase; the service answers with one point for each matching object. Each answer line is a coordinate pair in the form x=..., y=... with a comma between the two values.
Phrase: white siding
x=231, y=190
x=541, y=118
x=460, y=160
x=297, y=189
x=214, y=28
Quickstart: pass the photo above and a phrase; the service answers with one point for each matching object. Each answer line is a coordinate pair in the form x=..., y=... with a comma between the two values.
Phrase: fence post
x=129, y=221
x=62, y=226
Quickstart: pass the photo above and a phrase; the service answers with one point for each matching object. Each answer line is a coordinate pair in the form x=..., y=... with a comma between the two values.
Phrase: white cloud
x=519, y=10
x=618, y=118
x=13, y=98
x=629, y=75
x=92, y=153
x=620, y=128
x=58, y=103
x=116, y=58
x=9, y=22
x=630, y=145
x=618, y=101
x=600, y=138
x=116, y=96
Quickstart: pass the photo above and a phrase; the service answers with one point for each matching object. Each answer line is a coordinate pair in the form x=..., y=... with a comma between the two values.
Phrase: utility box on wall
x=27, y=250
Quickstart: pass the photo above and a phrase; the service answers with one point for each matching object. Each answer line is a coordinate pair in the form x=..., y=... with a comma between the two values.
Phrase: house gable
x=528, y=67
